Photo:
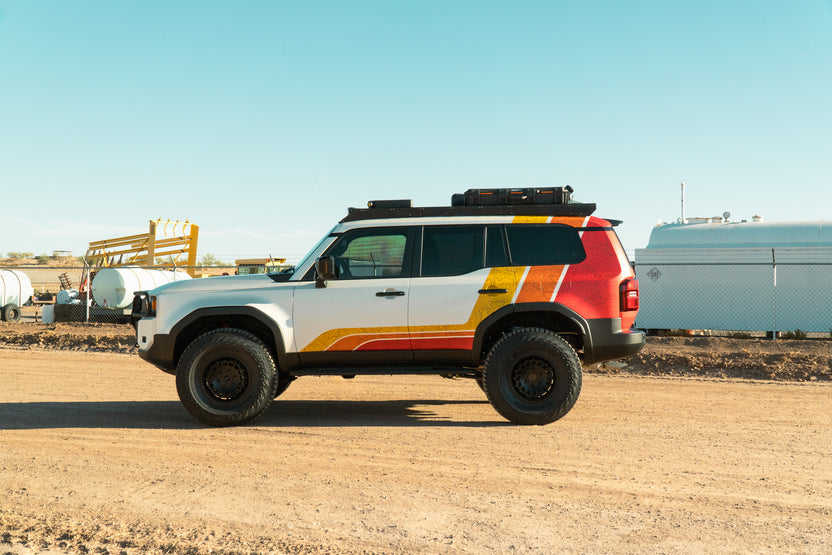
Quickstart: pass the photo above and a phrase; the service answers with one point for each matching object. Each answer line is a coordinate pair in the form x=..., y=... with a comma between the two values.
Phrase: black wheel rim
x=225, y=379
x=533, y=379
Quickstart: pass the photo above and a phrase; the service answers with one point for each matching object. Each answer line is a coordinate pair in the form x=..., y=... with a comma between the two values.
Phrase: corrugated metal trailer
x=749, y=276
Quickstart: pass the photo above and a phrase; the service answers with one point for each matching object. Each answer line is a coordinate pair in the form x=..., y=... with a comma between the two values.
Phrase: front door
x=360, y=316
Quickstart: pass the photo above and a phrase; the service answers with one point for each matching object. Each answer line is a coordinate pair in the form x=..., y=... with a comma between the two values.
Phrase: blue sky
x=263, y=121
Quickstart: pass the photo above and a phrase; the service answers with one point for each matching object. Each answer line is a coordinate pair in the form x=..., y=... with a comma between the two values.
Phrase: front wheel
x=532, y=376
x=226, y=377
x=282, y=384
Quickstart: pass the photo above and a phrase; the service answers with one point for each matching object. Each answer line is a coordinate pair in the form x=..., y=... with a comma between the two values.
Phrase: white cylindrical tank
x=68, y=296
x=114, y=287
x=15, y=288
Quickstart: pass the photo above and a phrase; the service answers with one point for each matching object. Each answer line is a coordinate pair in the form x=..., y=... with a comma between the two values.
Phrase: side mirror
x=325, y=270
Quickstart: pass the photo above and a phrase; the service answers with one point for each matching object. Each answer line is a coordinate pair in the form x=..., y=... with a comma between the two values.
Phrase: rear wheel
x=226, y=377
x=532, y=376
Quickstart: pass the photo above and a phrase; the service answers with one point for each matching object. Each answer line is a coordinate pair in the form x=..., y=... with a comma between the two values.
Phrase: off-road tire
x=480, y=381
x=226, y=377
x=282, y=383
x=532, y=376
x=11, y=313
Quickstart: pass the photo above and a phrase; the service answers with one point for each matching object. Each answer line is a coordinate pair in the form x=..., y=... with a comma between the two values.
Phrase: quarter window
x=544, y=245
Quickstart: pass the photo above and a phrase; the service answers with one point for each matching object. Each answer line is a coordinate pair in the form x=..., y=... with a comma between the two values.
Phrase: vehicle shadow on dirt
x=373, y=413
x=172, y=415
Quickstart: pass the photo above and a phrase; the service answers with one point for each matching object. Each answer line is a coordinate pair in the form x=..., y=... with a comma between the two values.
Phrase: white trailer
x=15, y=291
x=749, y=276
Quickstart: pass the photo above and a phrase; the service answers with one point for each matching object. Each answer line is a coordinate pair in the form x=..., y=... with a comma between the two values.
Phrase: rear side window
x=452, y=250
x=544, y=245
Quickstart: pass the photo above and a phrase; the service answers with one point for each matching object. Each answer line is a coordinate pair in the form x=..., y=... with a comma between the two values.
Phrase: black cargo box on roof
x=495, y=197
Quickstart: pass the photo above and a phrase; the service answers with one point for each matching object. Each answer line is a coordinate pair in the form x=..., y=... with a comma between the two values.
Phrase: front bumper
x=155, y=348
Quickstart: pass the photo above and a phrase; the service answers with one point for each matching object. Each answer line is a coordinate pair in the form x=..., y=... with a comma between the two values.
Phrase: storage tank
x=68, y=296
x=15, y=289
x=744, y=276
x=114, y=287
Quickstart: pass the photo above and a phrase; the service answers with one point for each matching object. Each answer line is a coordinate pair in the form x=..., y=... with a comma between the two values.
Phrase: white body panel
x=350, y=304
x=257, y=291
x=445, y=300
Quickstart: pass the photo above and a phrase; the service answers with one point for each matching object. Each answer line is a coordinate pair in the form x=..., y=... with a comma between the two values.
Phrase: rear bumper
x=609, y=342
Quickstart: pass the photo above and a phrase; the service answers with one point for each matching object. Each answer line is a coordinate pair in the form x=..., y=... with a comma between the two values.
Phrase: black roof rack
x=550, y=201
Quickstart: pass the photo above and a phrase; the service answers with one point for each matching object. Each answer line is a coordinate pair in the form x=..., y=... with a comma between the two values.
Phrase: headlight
x=144, y=305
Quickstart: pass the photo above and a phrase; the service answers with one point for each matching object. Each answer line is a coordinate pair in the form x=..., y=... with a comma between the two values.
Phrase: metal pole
x=774, y=298
x=684, y=221
x=88, y=292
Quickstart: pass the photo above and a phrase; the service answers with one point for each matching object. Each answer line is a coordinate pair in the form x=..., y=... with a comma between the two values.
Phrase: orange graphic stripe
x=539, y=284
x=352, y=342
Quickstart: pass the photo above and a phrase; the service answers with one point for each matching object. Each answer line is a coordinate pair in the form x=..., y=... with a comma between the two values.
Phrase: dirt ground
x=729, y=450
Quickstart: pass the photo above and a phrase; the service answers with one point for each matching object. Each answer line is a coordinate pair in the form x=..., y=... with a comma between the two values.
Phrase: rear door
x=462, y=278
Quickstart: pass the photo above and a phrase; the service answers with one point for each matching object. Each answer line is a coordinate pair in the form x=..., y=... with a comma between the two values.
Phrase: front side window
x=544, y=244
x=371, y=253
x=452, y=250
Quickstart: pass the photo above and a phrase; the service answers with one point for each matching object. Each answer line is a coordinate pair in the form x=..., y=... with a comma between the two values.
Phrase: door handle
x=491, y=291
x=390, y=293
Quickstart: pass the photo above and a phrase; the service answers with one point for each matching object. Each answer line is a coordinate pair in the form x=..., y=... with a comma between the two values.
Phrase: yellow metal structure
x=160, y=247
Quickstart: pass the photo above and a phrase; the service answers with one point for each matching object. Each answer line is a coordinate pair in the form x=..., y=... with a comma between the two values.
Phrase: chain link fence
x=59, y=294
x=762, y=291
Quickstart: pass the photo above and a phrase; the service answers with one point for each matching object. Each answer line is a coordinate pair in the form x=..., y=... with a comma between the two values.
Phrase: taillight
x=629, y=295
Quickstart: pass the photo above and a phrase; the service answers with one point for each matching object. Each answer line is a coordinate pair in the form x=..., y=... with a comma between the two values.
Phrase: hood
x=218, y=283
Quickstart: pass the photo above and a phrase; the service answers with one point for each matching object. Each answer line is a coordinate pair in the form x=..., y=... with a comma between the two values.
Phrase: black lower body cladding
x=607, y=341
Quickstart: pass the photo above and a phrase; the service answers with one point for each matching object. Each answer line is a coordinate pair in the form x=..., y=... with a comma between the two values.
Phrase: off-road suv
x=515, y=288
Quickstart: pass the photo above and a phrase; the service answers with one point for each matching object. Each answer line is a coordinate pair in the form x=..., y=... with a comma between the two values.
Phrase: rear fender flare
x=515, y=310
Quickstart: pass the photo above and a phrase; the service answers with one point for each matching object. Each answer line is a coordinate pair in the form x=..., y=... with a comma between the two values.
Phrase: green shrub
x=797, y=334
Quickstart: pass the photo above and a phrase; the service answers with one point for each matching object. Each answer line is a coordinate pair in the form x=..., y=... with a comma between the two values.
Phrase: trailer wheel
x=11, y=313
x=226, y=377
x=532, y=376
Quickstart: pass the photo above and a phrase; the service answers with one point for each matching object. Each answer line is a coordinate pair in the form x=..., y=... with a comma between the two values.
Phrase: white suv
x=515, y=288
